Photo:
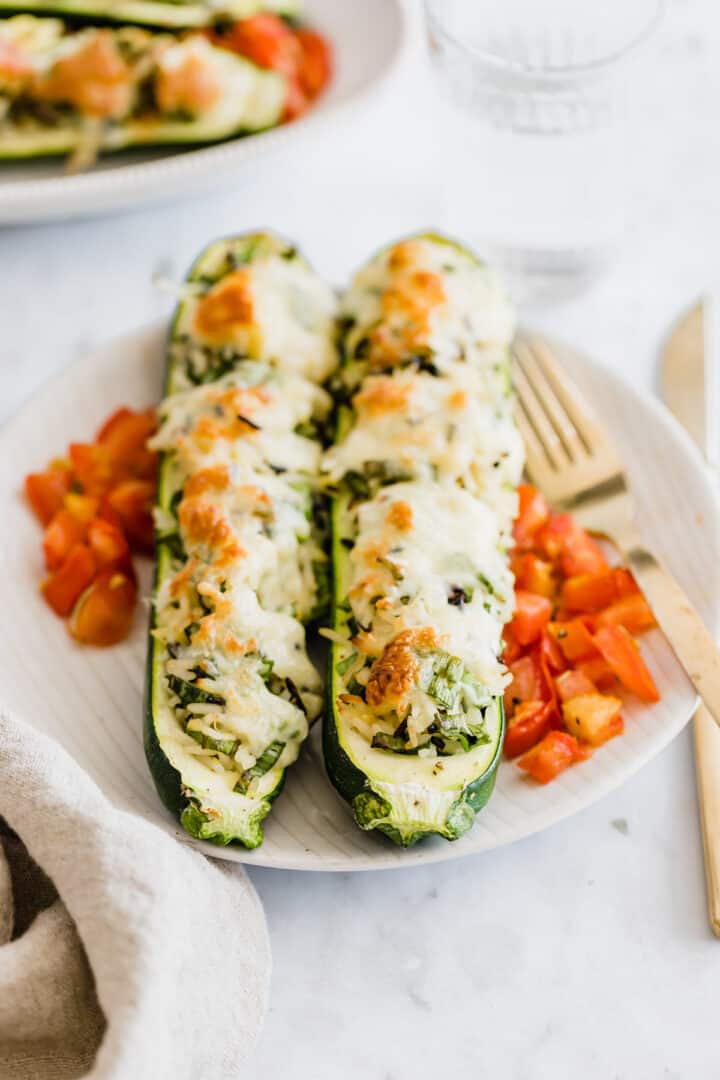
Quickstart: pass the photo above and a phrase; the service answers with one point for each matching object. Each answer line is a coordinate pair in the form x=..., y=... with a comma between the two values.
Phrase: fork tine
x=570, y=400
x=543, y=430
x=535, y=456
x=555, y=410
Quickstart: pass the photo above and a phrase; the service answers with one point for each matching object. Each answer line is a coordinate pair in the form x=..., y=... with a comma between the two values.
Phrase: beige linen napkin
x=124, y=954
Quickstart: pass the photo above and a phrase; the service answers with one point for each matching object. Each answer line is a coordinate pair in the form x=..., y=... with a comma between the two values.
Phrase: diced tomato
x=589, y=592
x=625, y=583
x=573, y=684
x=266, y=40
x=526, y=683
x=46, y=490
x=622, y=653
x=296, y=101
x=551, y=652
x=530, y=722
x=63, y=588
x=132, y=501
x=565, y=541
x=82, y=507
x=124, y=437
x=555, y=753
x=512, y=649
x=598, y=671
x=534, y=575
x=574, y=639
x=532, y=614
x=533, y=514
x=103, y=614
x=111, y=423
x=593, y=717
x=316, y=61
x=109, y=546
x=93, y=467
x=63, y=532
x=632, y=612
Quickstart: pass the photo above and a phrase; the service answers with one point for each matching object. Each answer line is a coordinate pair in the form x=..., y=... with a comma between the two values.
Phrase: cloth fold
x=123, y=953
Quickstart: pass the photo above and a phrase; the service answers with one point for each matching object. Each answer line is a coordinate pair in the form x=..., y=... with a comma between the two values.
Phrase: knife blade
x=689, y=385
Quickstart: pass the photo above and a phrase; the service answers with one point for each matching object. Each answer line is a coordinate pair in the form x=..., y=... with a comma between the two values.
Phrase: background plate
x=368, y=40
x=91, y=700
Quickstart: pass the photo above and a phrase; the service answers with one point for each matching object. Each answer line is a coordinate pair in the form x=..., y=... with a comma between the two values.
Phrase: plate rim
x=154, y=332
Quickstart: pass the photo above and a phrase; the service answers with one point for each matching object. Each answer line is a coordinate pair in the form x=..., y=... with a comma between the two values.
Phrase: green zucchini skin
x=371, y=809
x=172, y=787
x=165, y=14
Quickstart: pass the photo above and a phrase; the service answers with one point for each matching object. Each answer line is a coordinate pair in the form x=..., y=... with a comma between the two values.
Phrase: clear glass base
x=547, y=275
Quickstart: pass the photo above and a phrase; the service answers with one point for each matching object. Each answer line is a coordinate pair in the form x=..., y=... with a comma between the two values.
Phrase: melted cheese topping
x=274, y=309
x=425, y=297
x=428, y=583
x=237, y=509
x=447, y=429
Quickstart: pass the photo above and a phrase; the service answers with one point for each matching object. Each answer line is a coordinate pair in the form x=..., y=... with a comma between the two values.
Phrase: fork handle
x=683, y=627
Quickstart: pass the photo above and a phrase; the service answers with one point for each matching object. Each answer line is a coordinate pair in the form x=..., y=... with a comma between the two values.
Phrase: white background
x=581, y=952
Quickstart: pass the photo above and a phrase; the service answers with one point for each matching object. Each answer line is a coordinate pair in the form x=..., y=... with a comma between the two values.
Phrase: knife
x=689, y=387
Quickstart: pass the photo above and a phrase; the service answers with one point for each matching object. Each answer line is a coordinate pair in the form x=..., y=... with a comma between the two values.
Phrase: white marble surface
x=583, y=951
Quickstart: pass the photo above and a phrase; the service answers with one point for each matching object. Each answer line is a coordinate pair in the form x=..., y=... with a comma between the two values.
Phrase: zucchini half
x=216, y=804
x=169, y=14
x=391, y=788
x=253, y=100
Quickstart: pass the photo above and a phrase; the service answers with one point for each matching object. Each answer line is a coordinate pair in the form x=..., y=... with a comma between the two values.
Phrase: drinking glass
x=535, y=120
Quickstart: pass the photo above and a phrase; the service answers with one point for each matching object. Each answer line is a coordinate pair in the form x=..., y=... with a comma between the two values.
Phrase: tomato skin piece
x=552, y=755
x=573, y=684
x=622, y=654
x=594, y=717
x=103, y=614
x=574, y=639
x=633, y=612
x=63, y=588
x=532, y=614
x=533, y=514
x=316, y=61
x=531, y=722
x=63, y=532
x=46, y=491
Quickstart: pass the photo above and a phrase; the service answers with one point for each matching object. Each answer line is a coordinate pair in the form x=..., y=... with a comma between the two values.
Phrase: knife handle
x=707, y=767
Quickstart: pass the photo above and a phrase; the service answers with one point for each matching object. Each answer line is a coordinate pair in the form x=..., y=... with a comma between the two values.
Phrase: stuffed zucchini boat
x=424, y=472
x=68, y=91
x=241, y=565
x=169, y=14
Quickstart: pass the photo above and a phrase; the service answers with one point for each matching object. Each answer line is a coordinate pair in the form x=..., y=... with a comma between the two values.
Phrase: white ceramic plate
x=368, y=39
x=91, y=700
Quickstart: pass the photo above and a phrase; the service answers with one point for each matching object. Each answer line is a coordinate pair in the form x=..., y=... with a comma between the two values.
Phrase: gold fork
x=571, y=460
